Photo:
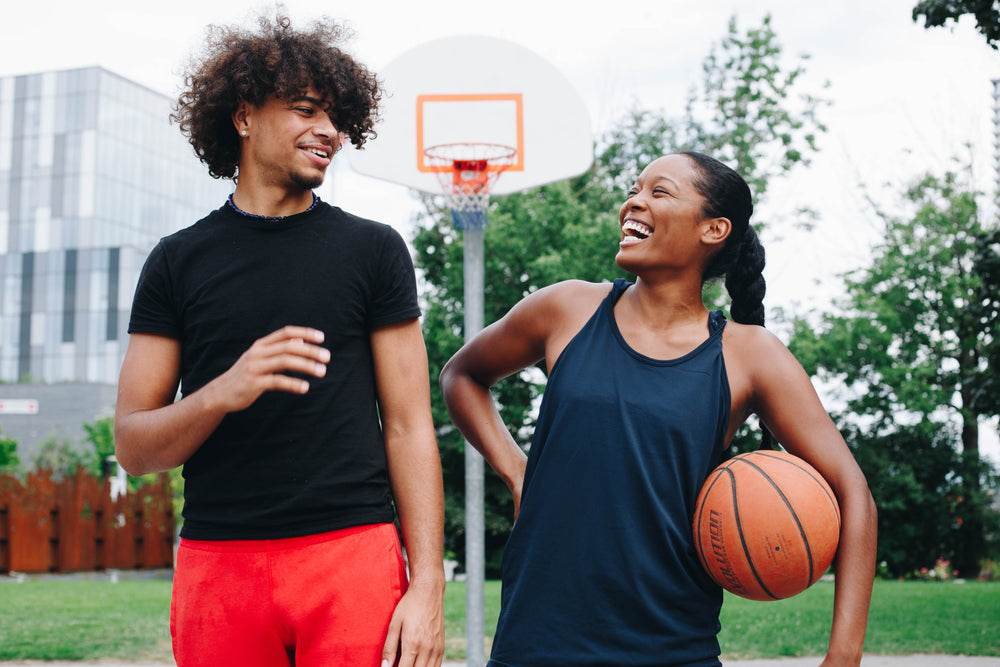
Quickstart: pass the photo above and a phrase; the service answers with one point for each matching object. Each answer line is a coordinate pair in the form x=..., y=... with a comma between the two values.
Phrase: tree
x=937, y=13
x=922, y=503
x=570, y=230
x=751, y=112
x=987, y=268
x=912, y=343
x=748, y=111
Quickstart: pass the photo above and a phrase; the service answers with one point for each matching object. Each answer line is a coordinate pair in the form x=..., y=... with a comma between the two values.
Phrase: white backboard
x=478, y=89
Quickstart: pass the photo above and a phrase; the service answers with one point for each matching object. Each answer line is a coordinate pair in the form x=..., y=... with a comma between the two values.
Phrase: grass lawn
x=85, y=620
x=89, y=620
x=906, y=617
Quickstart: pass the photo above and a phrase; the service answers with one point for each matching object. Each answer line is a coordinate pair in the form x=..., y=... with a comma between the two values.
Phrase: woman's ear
x=716, y=230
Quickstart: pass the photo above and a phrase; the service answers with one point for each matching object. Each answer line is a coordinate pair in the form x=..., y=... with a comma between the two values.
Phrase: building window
x=69, y=297
x=112, y=321
x=27, y=292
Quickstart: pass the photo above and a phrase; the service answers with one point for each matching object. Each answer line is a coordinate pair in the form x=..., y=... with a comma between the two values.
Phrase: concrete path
x=880, y=661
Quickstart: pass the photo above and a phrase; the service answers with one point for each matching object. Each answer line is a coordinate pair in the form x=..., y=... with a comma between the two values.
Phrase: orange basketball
x=766, y=525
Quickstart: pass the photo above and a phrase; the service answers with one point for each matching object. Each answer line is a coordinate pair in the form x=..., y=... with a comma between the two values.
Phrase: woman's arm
x=537, y=328
x=784, y=398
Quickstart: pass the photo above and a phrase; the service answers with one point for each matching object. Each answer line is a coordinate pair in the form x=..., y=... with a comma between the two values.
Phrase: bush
x=941, y=571
x=59, y=457
x=989, y=570
x=10, y=464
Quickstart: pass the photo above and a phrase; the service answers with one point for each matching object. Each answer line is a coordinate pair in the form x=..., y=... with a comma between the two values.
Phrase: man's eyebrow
x=311, y=100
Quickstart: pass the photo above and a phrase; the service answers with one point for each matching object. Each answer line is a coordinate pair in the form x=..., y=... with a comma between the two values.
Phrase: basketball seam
x=812, y=472
x=784, y=499
x=698, y=541
x=739, y=530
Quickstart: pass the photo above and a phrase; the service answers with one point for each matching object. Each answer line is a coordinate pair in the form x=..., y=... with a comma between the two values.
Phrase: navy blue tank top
x=600, y=568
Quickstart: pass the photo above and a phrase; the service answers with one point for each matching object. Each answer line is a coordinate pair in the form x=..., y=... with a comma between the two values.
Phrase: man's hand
x=154, y=433
x=262, y=368
x=416, y=631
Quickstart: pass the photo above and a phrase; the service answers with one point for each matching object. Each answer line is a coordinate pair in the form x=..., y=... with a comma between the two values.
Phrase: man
x=292, y=330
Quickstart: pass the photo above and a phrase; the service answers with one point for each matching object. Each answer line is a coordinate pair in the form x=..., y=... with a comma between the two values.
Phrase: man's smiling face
x=291, y=142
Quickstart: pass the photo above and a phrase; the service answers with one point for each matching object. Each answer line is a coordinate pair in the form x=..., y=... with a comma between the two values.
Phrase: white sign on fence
x=18, y=406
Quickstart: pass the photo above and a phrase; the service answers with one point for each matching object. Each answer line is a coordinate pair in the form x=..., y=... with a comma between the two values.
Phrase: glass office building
x=92, y=174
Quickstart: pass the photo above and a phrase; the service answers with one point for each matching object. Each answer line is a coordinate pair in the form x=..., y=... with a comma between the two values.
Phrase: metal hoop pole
x=466, y=172
x=475, y=549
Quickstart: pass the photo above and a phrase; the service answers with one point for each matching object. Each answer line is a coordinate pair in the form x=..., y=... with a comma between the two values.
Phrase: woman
x=646, y=389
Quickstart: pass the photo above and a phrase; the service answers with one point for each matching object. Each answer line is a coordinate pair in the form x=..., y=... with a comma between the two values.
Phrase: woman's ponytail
x=741, y=258
x=745, y=281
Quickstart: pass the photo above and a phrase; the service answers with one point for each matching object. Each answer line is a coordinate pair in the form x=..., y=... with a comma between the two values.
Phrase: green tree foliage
x=987, y=268
x=750, y=111
x=10, y=464
x=917, y=322
x=570, y=229
x=101, y=436
x=62, y=457
x=922, y=503
x=939, y=12
x=911, y=346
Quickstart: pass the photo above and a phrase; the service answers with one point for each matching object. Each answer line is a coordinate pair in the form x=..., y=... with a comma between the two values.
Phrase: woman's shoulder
x=750, y=334
x=752, y=342
x=557, y=307
x=756, y=351
x=554, y=314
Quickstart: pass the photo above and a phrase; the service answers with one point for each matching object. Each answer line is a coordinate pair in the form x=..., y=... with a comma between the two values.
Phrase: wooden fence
x=75, y=524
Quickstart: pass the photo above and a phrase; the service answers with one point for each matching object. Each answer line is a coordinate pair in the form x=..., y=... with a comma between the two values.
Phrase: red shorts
x=319, y=600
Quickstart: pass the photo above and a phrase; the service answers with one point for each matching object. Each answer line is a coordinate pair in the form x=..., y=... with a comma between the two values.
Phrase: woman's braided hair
x=741, y=259
x=239, y=65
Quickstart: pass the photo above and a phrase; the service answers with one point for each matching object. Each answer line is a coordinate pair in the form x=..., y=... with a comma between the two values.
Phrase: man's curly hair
x=240, y=65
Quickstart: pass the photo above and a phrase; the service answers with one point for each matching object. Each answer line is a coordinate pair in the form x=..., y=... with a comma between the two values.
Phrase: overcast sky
x=905, y=99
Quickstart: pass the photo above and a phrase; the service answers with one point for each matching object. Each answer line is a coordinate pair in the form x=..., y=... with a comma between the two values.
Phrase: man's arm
x=417, y=627
x=154, y=433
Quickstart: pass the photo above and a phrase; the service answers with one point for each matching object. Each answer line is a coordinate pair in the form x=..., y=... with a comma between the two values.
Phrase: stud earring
x=243, y=132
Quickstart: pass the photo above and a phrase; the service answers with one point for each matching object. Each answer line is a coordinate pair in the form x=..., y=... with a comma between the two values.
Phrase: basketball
x=766, y=525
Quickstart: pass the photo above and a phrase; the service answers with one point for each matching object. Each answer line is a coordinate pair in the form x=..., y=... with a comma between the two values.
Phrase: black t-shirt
x=289, y=464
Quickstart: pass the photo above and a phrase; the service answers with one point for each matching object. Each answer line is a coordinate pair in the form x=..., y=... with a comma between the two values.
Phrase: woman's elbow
x=449, y=376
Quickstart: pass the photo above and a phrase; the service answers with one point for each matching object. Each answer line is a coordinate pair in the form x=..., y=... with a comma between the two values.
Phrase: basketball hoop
x=466, y=172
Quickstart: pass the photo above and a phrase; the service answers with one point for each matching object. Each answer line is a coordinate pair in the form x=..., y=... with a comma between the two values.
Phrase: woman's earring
x=243, y=132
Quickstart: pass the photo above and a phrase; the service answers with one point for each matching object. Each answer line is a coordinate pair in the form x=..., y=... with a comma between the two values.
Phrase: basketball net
x=466, y=172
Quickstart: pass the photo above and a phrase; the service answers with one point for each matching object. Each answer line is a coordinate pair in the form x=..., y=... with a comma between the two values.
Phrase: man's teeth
x=316, y=151
x=637, y=228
